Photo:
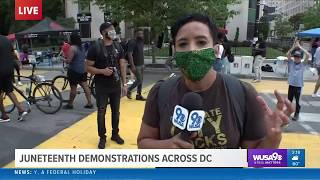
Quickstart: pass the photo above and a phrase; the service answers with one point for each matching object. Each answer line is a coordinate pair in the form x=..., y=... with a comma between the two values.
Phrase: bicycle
x=45, y=95
x=62, y=82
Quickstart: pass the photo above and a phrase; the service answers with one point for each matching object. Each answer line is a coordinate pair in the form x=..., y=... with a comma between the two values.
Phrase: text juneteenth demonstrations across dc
x=87, y=158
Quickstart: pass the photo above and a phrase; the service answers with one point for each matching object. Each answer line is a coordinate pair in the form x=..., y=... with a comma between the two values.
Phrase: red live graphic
x=28, y=9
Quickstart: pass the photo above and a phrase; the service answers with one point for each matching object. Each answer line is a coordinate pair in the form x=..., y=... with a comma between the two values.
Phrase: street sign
x=84, y=17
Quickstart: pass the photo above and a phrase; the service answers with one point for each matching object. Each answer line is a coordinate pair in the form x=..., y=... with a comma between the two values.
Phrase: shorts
x=6, y=83
x=76, y=78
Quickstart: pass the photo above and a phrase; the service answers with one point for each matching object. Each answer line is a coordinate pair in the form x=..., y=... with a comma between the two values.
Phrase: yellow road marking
x=84, y=135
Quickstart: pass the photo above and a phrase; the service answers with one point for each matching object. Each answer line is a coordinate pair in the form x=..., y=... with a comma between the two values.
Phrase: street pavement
x=78, y=129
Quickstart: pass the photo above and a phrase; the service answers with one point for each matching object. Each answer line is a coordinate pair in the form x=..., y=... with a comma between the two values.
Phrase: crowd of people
x=203, y=55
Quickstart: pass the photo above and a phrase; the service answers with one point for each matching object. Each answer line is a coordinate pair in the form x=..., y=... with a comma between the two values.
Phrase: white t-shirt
x=220, y=51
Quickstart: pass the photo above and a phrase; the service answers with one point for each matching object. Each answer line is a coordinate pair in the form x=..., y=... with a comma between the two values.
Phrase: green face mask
x=195, y=64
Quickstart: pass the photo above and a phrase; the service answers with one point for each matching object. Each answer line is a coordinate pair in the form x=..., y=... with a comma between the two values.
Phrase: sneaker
x=22, y=115
x=117, y=139
x=20, y=84
x=6, y=119
x=14, y=84
x=129, y=95
x=140, y=98
x=172, y=75
x=68, y=106
x=89, y=106
x=130, y=82
x=295, y=117
x=255, y=81
x=315, y=95
x=102, y=143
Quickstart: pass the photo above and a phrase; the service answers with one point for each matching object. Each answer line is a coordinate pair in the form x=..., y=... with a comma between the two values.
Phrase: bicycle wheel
x=61, y=82
x=7, y=102
x=47, y=98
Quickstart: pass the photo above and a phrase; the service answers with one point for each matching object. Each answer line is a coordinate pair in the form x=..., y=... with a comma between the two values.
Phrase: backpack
x=267, y=68
x=235, y=90
x=99, y=48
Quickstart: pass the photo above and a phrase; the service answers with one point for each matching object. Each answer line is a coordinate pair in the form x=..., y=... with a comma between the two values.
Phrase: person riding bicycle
x=6, y=85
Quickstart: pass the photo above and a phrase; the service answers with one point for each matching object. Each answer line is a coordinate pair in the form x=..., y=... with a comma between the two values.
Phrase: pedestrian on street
x=225, y=124
x=24, y=55
x=124, y=45
x=106, y=60
x=6, y=85
x=77, y=71
x=296, y=74
x=317, y=66
x=17, y=64
x=136, y=61
x=314, y=46
x=219, y=50
x=259, y=50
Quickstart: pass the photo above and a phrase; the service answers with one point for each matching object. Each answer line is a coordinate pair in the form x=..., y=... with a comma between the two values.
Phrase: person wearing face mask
x=194, y=37
x=296, y=73
x=106, y=60
x=136, y=60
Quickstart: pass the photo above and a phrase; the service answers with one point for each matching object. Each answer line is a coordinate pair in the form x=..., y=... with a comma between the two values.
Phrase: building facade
x=290, y=8
x=244, y=20
x=89, y=17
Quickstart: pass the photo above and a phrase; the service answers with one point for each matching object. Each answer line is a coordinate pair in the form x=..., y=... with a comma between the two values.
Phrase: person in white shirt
x=218, y=48
x=317, y=66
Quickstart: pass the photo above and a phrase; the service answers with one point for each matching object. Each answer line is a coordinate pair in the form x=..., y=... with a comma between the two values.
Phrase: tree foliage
x=51, y=8
x=282, y=27
x=159, y=14
x=296, y=20
x=264, y=27
x=311, y=18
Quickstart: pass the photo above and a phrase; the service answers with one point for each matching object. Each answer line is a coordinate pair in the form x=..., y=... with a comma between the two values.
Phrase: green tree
x=296, y=20
x=311, y=18
x=158, y=14
x=51, y=8
x=282, y=27
x=6, y=15
x=66, y=22
x=264, y=27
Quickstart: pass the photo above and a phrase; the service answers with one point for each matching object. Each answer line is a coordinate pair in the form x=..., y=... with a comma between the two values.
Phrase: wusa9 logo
x=267, y=157
x=28, y=9
x=273, y=157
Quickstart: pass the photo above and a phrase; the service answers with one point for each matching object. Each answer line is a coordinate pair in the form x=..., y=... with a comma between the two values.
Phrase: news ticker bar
x=165, y=173
x=141, y=158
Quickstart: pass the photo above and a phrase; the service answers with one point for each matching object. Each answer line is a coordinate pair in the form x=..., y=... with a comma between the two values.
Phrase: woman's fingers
x=264, y=106
x=281, y=101
x=289, y=108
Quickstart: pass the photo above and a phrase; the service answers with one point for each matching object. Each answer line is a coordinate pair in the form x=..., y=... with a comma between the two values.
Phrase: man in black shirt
x=259, y=56
x=136, y=61
x=106, y=60
x=6, y=74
